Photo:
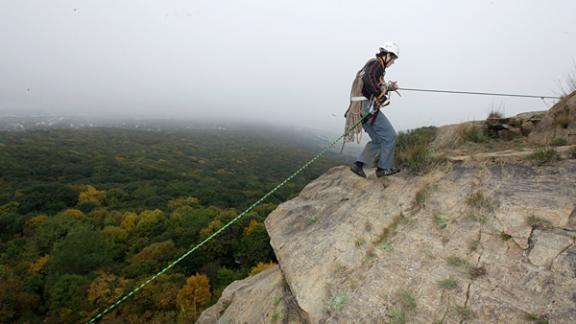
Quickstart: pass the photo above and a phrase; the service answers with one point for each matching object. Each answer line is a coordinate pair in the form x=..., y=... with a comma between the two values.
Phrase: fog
x=289, y=62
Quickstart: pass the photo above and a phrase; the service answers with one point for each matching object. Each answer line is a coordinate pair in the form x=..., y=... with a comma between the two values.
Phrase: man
x=378, y=127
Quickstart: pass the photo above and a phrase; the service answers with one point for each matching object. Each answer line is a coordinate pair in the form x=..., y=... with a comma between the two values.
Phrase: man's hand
x=392, y=85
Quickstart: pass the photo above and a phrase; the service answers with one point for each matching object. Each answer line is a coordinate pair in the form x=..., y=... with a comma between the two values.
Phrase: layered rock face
x=472, y=242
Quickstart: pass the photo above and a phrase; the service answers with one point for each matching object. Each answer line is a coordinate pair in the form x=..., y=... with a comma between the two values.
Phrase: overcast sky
x=280, y=61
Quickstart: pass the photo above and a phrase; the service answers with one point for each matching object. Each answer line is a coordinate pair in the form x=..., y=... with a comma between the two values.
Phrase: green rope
x=171, y=265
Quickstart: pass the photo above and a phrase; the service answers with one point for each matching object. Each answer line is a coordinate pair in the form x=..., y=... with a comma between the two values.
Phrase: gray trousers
x=383, y=140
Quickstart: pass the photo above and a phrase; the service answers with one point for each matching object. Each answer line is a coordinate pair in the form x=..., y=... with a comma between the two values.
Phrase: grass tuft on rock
x=413, y=152
x=448, y=284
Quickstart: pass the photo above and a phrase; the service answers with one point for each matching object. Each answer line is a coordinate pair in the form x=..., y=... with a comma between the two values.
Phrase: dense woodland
x=88, y=214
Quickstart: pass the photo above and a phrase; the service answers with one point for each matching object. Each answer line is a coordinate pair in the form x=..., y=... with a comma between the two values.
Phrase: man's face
x=390, y=59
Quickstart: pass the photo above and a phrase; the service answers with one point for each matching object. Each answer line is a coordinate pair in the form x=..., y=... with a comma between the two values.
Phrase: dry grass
x=495, y=114
x=562, y=120
x=448, y=284
x=439, y=221
x=457, y=262
x=570, y=82
x=476, y=272
x=473, y=245
x=390, y=229
x=465, y=313
x=422, y=195
x=479, y=201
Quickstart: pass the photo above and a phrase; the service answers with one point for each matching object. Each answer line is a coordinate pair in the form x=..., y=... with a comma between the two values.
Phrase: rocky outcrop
x=559, y=123
x=473, y=242
x=510, y=127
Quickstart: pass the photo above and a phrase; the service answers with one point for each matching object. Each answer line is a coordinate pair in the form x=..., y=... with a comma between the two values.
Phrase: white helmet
x=390, y=47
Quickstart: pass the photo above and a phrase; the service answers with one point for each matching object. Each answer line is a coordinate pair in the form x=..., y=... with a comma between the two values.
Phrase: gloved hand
x=392, y=86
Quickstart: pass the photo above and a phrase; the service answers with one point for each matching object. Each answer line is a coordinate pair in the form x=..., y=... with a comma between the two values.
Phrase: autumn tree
x=92, y=195
x=105, y=289
x=194, y=295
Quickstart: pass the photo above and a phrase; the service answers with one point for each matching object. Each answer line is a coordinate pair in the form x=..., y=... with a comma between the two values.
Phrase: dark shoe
x=356, y=167
x=386, y=172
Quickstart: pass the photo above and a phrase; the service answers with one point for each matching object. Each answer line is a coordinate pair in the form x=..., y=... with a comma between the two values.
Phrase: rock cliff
x=485, y=243
x=475, y=241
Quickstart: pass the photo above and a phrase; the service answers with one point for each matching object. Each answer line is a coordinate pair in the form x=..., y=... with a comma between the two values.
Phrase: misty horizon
x=289, y=63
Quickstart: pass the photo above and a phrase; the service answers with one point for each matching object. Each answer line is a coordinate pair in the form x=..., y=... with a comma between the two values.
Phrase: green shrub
x=475, y=134
x=544, y=156
x=559, y=141
x=413, y=151
x=505, y=236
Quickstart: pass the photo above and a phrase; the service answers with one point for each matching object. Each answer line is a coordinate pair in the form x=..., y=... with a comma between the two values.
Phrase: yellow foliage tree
x=148, y=219
x=32, y=224
x=105, y=288
x=38, y=265
x=162, y=292
x=261, y=267
x=183, y=201
x=75, y=213
x=212, y=227
x=252, y=226
x=154, y=251
x=91, y=194
x=129, y=221
x=36, y=220
x=194, y=295
x=117, y=234
x=9, y=207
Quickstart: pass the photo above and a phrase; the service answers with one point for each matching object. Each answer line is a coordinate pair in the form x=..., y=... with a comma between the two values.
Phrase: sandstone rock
x=547, y=245
x=487, y=244
x=263, y=298
x=559, y=122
